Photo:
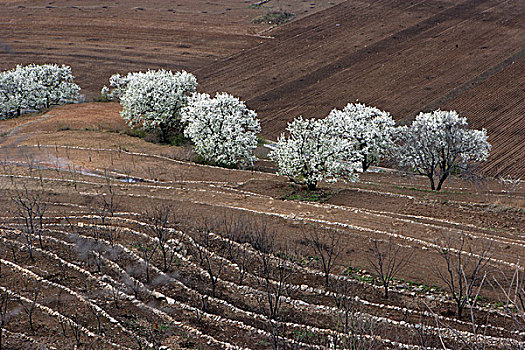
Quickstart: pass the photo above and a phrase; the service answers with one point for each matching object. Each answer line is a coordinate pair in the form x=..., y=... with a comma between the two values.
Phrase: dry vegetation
x=112, y=242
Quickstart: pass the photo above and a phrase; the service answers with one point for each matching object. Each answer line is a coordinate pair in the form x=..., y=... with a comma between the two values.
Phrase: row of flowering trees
x=338, y=147
x=224, y=131
x=348, y=141
x=34, y=87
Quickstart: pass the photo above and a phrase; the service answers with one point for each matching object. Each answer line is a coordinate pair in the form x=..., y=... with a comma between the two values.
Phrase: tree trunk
x=441, y=181
x=365, y=165
x=312, y=186
x=163, y=134
x=460, y=311
x=432, y=185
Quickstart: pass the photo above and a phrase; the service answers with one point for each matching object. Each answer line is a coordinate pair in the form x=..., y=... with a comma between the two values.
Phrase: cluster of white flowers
x=223, y=130
x=368, y=128
x=152, y=99
x=315, y=151
x=34, y=87
x=438, y=143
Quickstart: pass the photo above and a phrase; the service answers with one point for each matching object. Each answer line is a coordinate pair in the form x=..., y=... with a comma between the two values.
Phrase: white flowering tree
x=36, y=87
x=57, y=84
x=312, y=152
x=223, y=130
x=154, y=99
x=369, y=128
x=439, y=143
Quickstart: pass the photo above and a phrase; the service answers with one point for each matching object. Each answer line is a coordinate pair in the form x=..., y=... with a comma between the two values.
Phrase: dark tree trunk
x=365, y=165
x=312, y=186
x=441, y=181
x=432, y=185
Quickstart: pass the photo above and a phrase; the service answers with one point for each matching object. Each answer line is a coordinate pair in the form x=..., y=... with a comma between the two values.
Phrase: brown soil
x=74, y=151
x=401, y=56
x=100, y=38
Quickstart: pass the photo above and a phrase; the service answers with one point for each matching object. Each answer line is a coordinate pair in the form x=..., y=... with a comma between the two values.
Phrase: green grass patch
x=273, y=17
x=301, y=194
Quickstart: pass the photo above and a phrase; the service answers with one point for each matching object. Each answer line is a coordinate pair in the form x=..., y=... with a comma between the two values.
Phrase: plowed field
x=401, y=56
x=100, y=38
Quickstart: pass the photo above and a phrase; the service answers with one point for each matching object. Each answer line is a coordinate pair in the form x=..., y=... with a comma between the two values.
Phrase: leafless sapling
x=147, y=250
x=108, y=200
x=274, y=281
x=31, y=207
x=30, y=306
x=513, y=294
x=98, y=316
x=326, y=245
x=359, y=331
x=476, y=339
x=387, y=261
x=75, y=327
x=465, y=266
x=4, y=315
x=236, y=232
x=203, y=254
x=158, y=220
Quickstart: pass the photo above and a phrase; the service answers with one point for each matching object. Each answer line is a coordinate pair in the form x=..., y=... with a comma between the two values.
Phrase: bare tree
x=108, y=200
x=132, y=283
x=4, y=315
x=158, y=220
x=202, y=252
x=388, y=260
x=31, y=207
x=96, y=312
x=147, y=250
x=344, y=301
x=275, y=274
x=236, y=232
x=326, y=245
x=476, y=339
x=513, y=292
x=29, y=307
x=359, y=330
x=75, y=327
x=465, y=267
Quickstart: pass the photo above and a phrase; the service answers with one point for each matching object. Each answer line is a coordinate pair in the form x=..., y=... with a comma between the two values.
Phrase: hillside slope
x=400, y=56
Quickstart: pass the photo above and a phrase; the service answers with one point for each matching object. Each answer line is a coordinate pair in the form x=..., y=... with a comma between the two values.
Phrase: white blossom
x=312, y=152
x=153, y=99
x=36, y=87
x=439, y=143
x=369, y=128
x=223, y=130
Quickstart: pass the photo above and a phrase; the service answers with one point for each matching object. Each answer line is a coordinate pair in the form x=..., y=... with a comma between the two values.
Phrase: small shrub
x=274, y=17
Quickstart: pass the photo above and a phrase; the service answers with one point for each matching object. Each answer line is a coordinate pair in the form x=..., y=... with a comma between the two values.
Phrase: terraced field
x=94, y=274
x=111, y=242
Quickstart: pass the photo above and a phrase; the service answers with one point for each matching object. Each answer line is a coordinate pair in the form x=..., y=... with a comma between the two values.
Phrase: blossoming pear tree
x=154, y=99
x=369, y=128
x=223, y=130
x=439, y=143
x=313, y=152
x=36, y=87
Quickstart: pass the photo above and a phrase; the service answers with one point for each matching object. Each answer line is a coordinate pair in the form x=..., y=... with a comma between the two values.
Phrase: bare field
x=401, y=56
x=100, y=38
x=90, y=268
x=111, y=242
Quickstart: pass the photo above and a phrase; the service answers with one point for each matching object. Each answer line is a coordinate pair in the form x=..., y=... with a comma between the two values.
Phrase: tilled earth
x=88, y=275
